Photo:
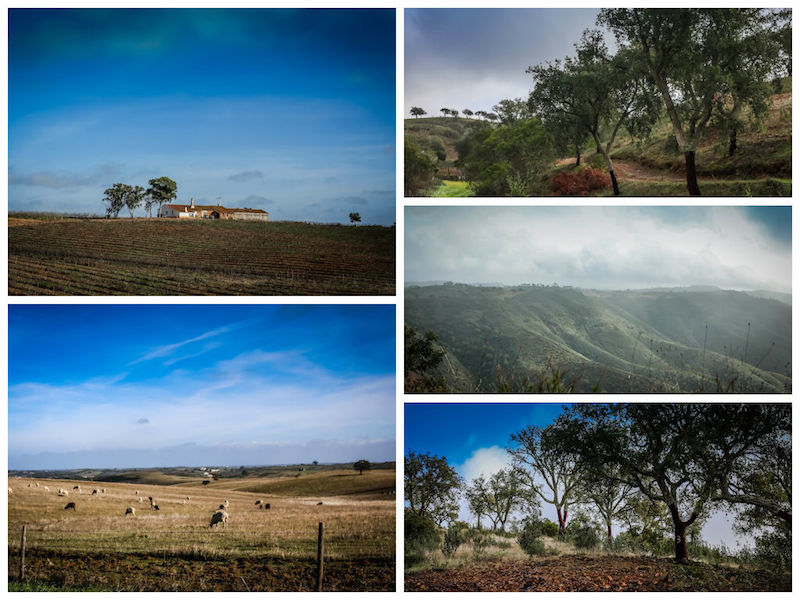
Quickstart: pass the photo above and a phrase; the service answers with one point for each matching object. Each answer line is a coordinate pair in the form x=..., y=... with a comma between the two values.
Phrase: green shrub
x=455, y=535
x=421, y=537
x=530, y=538
x=549, y=528
x=583, y=533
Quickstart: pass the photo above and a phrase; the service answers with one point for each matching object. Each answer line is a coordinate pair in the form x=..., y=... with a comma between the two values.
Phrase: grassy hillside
x=97, y=547
x=761, y=165
x=148, y=257
x=511, y=339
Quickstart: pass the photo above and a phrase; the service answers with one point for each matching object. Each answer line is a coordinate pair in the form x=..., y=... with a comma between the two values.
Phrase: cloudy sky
x=742, y=248
x=290, y=111
x=477, y=435
x=472, y=58
x=150, y=385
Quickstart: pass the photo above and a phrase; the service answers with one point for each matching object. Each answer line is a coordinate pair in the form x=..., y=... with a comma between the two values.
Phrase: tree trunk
x=732, y=145
x=562, y=518
x=691, y=174
x=578, y=158
x=681, y=553
x=614, y=183
x=609, y=531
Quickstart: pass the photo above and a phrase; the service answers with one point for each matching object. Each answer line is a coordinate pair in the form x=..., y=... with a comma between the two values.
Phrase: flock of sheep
x=220, y=516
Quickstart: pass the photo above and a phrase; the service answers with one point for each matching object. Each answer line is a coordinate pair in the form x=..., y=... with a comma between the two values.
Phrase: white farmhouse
x=195, y=211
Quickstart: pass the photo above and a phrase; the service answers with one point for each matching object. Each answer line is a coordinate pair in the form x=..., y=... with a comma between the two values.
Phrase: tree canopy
x=431, y=487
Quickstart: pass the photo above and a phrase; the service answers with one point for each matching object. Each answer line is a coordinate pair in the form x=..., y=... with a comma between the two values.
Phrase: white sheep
x=137, y=492
x=141, y=499
x=226, y=503
x=219, y=517
x=103, y=490
x=62, y=492
x=130, y=511
x=37, y=484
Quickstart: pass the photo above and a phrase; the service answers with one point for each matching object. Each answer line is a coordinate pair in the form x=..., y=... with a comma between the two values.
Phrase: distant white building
x=195, y=211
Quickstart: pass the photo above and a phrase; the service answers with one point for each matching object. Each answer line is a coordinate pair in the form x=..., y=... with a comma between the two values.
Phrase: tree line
x=122, y=195
x=644, y=465
x=698, y=67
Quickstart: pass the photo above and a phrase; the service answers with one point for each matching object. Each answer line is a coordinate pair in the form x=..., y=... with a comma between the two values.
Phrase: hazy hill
x=621, y=341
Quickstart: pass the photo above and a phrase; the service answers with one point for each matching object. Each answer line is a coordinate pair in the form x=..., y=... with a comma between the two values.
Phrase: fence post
x=319, y=559
x=22, y=555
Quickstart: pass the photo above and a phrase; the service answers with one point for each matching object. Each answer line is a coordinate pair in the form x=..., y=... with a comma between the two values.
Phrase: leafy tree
x=418, y=171
x=115, y=196
x=444, y=111
x=607, y=494
x=355, y=217
x=422, y=354
x=416, y=111
x=695, y=57
x=468, y=113
x=454, y=112
x=568, y=134
x=481, y=113
x=678, y=454
x=536, y=455
x=163, y=190
x=506, y=160
x=499, y=496
x=511, y=111
x=361, y=466
x=134, y=196
x=431, y=487
x=597, y=92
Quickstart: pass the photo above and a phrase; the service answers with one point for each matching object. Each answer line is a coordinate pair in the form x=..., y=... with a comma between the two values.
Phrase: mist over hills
x=665, y=340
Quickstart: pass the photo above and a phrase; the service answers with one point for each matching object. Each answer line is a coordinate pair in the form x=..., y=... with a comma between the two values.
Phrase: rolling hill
x=661, y=341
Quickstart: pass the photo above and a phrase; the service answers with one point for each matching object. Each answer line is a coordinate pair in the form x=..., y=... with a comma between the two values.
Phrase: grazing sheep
x=219, y=517
x=70, y=505
x=222, y=507
x=187, y=497
x=319, y=503
x=77, y=487
x=61, y=492
x=29, y=485
x=137, y=492
x=46, y=489
x=258, y=502
x=183, y=501
x=37, y=484
x=205, y=482
x=141, y=499
x=103, y=491
x=225, y=503
x=95, y=492
x=155, y=507
x=130, y=511
x=266, y=506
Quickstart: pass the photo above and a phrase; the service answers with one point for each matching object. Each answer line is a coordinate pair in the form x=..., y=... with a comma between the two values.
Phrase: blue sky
x=474, y=437
x=596, y=247
x=163, y=385
x=291, y=111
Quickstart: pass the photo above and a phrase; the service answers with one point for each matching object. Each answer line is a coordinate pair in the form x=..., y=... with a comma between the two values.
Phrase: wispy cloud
x=245, y=176
x=168, y=349
x=104, y=174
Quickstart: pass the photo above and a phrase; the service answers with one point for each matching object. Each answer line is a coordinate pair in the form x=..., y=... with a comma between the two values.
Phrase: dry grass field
x=50, y=255
x=98, y=547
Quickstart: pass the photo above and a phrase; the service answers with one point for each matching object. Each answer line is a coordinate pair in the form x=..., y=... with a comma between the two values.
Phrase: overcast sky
x=472, y=58
x=475, y=441
x=741, y=248
x=149, y=385
x=290, y=111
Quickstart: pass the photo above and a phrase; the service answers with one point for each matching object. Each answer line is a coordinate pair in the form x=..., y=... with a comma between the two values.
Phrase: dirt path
x=628, y=170
x=594, y=573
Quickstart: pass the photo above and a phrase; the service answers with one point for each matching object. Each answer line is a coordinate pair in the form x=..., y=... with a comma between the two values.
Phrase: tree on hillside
x=355, y=218
x=454, y=112
x=444, y=111
x=507, y=160
x=431, y=487
x=418, y=170
x=416, y=111
x=679, y=455
x=596, y=91
x=568, y=134
x=468, y=113
x=361, y=466
x=692, y=56
x=511, y=111
x=115, y=197
x=481, y=113
x=607, y=493
x=134, y=196
x=163, y=190
x=536, y=455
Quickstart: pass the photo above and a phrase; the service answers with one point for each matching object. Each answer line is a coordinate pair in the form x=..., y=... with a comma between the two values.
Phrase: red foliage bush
x=580, y=182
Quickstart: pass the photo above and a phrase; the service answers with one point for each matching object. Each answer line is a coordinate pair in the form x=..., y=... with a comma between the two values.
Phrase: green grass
x=771, y=186
x=453, y=189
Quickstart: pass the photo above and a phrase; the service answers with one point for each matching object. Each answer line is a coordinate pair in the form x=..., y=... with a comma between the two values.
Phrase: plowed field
x=161, y=257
